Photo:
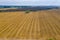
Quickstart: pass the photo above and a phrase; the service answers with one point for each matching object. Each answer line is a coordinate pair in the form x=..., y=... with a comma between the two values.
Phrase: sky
x=31, y=2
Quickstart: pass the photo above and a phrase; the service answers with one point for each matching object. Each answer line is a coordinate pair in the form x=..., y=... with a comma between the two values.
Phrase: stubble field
x=40, y=25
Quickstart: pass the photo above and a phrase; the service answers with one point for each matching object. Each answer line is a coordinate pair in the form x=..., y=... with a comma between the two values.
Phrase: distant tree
x=27, y=11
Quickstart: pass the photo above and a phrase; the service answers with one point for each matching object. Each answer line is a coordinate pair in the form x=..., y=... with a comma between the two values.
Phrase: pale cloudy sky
x=30, y=2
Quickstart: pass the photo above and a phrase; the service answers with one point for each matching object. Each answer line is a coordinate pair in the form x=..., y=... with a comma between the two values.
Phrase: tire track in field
x=32, y=28
x=7, y=29
x=24, y=32
x=47, y=25
x=53, y=27
x=36, y=30
x=54, y=31
x=14, y=27
x=28, y=30
x=4, y=29
x=38, y=35
x=15, y=31
x=42, y=27
x=5, y=25
x=18, y=30
x=24, y=27
x=54, y=22
x=41, y=24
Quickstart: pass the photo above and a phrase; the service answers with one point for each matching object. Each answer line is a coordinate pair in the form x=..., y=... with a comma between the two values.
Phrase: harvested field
x=40, y=25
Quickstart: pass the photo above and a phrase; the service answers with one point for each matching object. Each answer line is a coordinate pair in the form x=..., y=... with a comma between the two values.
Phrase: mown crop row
x=34, y=25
